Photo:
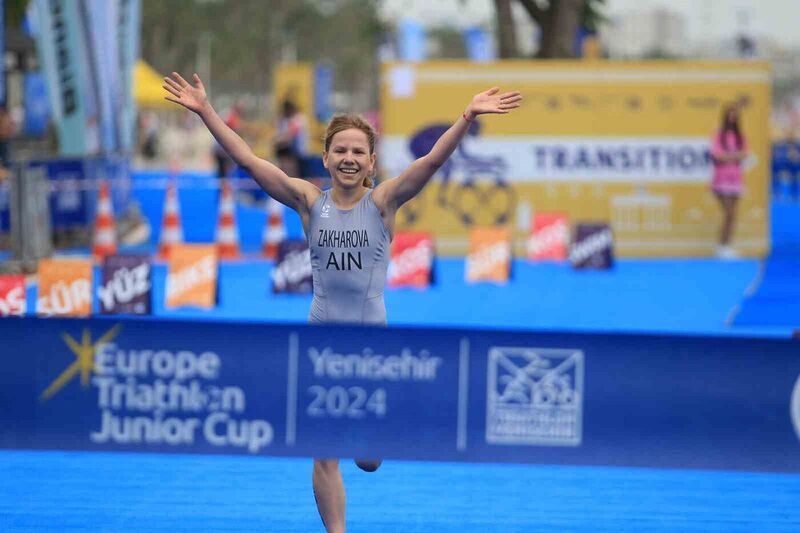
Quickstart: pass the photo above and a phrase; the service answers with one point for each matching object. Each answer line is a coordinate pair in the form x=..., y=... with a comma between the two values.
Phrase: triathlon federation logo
x=795, y=407
x=534, y=396
x=84, y=360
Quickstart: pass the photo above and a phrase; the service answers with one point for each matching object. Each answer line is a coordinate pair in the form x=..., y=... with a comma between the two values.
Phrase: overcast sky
x=780, y=19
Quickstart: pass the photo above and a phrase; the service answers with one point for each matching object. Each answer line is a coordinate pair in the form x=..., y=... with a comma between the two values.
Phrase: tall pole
x=204, y=59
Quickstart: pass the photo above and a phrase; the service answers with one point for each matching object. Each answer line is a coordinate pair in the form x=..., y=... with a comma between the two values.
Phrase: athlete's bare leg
x=329, y=493
x=729, y=219
x=729, y=205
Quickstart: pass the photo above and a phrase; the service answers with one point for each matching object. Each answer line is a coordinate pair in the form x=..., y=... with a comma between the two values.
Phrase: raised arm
x=393, y=193
x=295, y=193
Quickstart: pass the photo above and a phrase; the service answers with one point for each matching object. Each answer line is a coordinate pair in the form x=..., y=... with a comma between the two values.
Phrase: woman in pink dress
x=728, y=150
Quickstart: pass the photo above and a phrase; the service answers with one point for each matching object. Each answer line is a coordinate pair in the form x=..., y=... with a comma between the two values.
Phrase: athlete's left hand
x=492, y=101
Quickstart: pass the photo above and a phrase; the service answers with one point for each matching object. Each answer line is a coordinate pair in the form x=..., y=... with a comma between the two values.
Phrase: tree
x=449, y=43
x=507, y=34
x=14, y=12
x=558, y=21
x=248, y=38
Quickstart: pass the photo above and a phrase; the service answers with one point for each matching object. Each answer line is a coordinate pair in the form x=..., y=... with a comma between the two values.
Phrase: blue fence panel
x=72, y=203
x=786, y=169
x=408, y=393
x=74, y=199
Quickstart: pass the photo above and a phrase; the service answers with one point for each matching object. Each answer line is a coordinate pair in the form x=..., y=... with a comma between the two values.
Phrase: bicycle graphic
x=469, y=182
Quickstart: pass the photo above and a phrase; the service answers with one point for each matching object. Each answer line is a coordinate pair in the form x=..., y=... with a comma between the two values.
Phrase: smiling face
x=349, y=158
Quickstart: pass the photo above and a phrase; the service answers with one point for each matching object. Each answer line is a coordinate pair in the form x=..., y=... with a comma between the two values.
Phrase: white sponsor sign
x=547, y=159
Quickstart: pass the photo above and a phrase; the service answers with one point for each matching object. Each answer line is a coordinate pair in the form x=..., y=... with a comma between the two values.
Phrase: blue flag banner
x=411, y=41
x=37, y=106
x=129, y=21
x=3, y=50
x=323, y=91
x=60, y=42
x=404, y=393
x=100, y=19
x=5, y=208
x=478, y=44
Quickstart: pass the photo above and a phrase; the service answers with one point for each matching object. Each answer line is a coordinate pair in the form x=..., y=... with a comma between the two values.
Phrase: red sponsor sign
x=412, y=260
x=549, y=237
x=12, y=295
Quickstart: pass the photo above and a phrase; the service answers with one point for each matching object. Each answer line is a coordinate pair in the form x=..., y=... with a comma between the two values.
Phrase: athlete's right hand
x=193, y=98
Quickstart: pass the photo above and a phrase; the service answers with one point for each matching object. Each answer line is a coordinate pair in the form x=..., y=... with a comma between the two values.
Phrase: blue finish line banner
x=347, y=391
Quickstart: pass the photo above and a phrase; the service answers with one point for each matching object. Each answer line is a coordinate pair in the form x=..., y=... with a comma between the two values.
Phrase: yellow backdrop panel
x=295, y=82
x=623, y=143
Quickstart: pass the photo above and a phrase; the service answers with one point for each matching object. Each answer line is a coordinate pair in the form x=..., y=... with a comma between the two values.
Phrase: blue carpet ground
x=672, y=296
x=60, y=491
x=776, y=300
x=704, y=296
x=676, y=295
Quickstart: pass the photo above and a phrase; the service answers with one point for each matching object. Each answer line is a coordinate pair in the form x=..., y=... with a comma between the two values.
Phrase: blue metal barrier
x=300, y=390
x=786, y=170
x=74, y=195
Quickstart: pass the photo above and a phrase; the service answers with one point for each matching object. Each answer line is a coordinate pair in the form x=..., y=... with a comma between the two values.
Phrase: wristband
x=464, y=114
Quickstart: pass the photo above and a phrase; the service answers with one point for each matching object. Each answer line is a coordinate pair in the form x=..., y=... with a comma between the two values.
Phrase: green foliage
x=249, y=37
x=450, y=42
x=592, y=17
x=14, y=12
x=558, y=21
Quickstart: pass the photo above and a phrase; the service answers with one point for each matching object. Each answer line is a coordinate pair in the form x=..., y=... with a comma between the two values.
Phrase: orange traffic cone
x=227, y=233
x=173, y=166
x=274, y=231
x=104, y=241
x=171, y=230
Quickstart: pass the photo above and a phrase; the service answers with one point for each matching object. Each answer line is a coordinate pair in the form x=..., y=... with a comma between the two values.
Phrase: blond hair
x=346, y=122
